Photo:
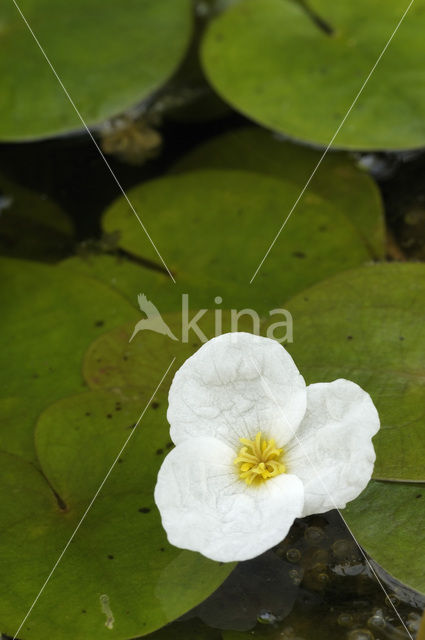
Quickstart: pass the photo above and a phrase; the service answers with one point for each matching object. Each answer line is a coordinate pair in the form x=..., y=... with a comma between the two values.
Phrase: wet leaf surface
x=296, y=68
x=50, y=319
x=103, y=72
x=32, y=226
x=367, y=326
x=338, y=180
x=388, y=519
x=119, y=577
x=213, y=228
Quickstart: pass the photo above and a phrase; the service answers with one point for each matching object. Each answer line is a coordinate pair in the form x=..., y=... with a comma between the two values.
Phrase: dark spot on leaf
x=298, y=254
x=306, y=299
x=35, y=375
x=162, y=549
x=349, y=337
x=99, y=323
x=220, y=564
x=109, y=415
x=125, y=357
x=110, y=556
x=88, y=413
x=195, y=344
x=155, y=405
x=131, y=426
x=419, y=495
x=119, y=460
x=83, y=611
x=98, y=359
x=144, y=510
x=169, y=445
x=323, y=227
x=159, y=451
x=401, y=338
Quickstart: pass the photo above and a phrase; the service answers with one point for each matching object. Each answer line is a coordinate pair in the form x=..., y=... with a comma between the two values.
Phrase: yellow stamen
x=258, y=460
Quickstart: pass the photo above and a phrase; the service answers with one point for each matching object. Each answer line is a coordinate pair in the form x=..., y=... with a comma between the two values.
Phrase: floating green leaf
x=113, y=362
x=108, y=56
x=50, y=318
x=296, y=67
x=367, y=325
x=388, y=520
x=338, y=179
x=128, y=278
x=31, y=225
x=116, y=579
x=213, y=228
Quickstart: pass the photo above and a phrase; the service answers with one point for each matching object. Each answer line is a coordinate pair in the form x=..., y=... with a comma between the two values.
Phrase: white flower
x=256, y=448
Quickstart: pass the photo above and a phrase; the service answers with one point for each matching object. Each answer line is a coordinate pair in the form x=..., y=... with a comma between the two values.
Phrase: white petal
x=205, y=507
x=235, y=386
x=332, y=451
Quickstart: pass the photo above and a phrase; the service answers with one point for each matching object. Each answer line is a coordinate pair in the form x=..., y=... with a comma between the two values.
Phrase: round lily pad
x=296, y=67
x=31, y=225
x=338, y=179
x=128, y=278
x=119, y=577
x=119, y=359
x=367, y=326
x=213, y=228
x=108, y=56
x=388, y=520
x=50, y=318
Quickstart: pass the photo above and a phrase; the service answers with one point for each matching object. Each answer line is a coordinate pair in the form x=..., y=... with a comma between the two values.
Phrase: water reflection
x=315, y=585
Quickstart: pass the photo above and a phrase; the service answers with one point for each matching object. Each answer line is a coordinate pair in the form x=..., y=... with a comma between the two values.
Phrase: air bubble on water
x=267, y=617
x=314, y=534
x=391, y=600
x=295, y=576
x=377, y=620
x=321, y=556
x=345, y=619
x=293, y=555
x=342, y=548
x=323, y=578
x=413, y=622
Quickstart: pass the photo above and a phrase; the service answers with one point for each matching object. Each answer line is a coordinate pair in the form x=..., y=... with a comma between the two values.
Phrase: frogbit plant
x=256, y=448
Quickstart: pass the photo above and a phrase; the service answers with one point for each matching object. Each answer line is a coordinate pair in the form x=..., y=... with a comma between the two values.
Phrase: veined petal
x=205, y=507
x=332, y=451
x=235, y=386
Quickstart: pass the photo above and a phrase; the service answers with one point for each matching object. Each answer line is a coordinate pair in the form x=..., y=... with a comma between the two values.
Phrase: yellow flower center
x=258, y=460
